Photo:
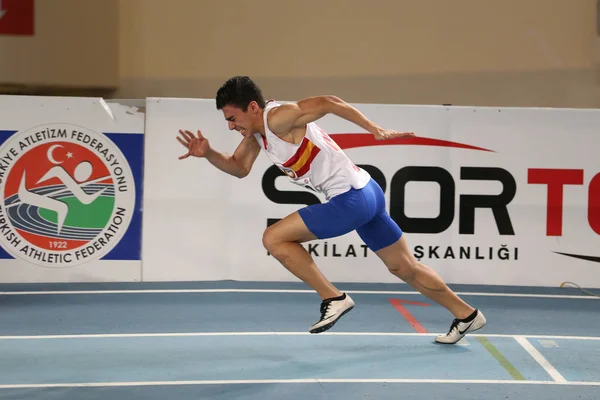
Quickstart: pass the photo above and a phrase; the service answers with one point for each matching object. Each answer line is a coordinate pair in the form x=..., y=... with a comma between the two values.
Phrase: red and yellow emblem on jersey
x=300, y=162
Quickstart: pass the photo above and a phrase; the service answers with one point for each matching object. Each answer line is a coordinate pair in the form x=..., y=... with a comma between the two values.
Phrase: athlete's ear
x=253, y=106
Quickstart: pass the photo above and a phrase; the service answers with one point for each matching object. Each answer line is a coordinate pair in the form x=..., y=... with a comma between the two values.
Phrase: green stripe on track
x=501, y=359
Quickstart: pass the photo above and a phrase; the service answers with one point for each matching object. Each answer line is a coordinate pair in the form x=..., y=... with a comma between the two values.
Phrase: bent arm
x=240, y=163
x=289, y=116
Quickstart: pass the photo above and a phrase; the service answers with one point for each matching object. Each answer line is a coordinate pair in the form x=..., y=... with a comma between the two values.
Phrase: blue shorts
x=361, y=210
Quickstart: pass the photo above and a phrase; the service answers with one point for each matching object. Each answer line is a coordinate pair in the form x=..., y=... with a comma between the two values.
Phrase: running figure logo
x=66, y=200
x=50, y=201
x=56, y=204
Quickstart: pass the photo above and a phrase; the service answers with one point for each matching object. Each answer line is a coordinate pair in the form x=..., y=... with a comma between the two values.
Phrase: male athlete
x=289, y=136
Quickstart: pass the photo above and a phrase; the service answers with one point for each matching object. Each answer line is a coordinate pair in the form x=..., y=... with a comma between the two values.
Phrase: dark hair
x=239, y=91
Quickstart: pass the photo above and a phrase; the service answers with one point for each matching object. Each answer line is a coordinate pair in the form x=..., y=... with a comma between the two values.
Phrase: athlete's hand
x=196, y=146
x=385, y=134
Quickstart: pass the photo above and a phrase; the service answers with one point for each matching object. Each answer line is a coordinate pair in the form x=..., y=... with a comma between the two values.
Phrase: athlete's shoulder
x=276, y=109
x=271, y=108
x=271, y=105
x=280, y=117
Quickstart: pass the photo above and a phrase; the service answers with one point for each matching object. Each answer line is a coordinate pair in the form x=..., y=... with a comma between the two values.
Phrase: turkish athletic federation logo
x=67, y=195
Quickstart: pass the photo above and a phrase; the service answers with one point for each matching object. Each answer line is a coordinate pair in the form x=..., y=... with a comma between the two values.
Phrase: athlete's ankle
x=465, y=314
x=328, y=294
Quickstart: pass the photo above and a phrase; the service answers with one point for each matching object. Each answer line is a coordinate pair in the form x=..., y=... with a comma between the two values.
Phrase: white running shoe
x=331, y=311
x=460, y=328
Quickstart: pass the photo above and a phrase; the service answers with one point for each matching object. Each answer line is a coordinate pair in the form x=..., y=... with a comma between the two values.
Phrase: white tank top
x=317, y=162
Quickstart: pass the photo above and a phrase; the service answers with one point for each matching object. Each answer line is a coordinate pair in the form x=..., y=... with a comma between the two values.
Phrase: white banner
x=71, y=187
x=484, y=195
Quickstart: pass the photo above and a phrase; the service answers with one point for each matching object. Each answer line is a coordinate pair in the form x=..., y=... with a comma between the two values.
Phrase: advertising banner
x=507, y=196
x=71, y=185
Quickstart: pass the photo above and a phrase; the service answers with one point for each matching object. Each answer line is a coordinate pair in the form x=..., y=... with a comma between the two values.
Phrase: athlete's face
x=243, y=122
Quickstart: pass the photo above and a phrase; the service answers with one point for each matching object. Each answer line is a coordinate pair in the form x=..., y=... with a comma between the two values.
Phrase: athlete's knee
x=269, y=239
x=405, y=269
x=400, y=262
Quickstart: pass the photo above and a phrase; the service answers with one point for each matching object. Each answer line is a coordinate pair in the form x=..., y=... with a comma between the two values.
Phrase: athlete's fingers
x=200, y=135
x=184, y=156
x=400, y=134
x=184, y=143
x=189, y=135
x=184, y=135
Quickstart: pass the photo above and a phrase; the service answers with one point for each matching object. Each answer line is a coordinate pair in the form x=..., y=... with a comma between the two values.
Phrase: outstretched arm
x=239, y=164
x=295, y=115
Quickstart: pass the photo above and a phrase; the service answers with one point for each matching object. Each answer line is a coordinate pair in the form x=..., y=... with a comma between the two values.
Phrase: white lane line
x=286, y=381
x=200, y=334
x=537, y=356
x=290, y=291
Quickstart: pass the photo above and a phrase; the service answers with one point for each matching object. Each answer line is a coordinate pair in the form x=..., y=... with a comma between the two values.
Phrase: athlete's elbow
x=331, y=104
x=240, y=169
x=242, y=173
x=332, y=100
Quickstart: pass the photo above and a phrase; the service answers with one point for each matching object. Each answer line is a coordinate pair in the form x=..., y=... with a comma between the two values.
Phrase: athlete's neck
x=260, y=128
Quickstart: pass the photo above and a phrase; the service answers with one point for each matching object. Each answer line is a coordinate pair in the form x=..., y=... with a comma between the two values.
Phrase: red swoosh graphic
x=351, y=140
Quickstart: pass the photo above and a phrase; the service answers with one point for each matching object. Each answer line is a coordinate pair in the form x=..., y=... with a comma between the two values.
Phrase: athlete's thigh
x=341, y=215
x=381, y=231
x=289, y=229
x=397, y=254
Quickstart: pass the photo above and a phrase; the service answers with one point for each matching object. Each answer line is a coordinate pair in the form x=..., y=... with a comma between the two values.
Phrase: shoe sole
x=329, y=325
